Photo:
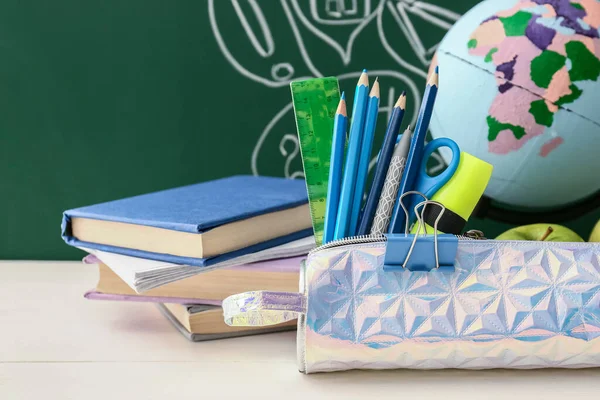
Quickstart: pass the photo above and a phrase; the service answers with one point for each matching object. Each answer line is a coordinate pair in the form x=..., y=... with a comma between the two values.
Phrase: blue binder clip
x=420, y=252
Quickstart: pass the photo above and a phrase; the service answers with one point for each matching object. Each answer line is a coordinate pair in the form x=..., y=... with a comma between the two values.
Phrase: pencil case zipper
x=366, y=239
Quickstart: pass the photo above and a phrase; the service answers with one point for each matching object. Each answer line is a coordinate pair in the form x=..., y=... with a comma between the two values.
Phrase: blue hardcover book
x=201, y=224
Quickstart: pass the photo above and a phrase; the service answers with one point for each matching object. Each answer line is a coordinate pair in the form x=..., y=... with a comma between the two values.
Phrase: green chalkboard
x=105, y=99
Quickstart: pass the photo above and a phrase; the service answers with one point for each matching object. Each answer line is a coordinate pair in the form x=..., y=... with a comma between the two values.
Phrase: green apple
x=547, y=232
x=595, y=236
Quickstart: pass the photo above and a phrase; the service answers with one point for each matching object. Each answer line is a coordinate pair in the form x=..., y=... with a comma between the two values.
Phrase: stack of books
x=187, y=249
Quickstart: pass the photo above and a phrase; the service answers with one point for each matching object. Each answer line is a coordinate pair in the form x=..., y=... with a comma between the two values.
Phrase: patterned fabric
x=262, y=308
x=388, y=196
x=507, y=305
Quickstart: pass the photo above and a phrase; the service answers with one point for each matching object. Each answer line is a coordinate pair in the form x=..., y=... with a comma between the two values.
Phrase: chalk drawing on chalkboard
x=273, y=79
x=320, y=15
x=344, y=53
x=276, y=72
x=338, y=24
x=337, y=12
x=400, y=13
x=290, y=155
x=266, y=32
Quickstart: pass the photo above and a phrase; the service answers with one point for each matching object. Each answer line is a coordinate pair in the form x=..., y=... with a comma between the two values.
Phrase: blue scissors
x=429, y=185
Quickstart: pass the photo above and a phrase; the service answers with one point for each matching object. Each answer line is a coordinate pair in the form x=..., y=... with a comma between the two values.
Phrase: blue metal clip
x=421, y=252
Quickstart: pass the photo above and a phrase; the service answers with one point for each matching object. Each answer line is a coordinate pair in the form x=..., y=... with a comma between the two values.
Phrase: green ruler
x=315, y=102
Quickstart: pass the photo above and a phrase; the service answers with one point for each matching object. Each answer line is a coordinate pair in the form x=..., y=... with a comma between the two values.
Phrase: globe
x=519, y=89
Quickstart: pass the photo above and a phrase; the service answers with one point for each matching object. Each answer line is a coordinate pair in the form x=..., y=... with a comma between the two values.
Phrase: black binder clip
x=420, y=252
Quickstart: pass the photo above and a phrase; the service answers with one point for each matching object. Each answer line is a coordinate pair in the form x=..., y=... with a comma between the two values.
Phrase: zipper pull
x=475, y=234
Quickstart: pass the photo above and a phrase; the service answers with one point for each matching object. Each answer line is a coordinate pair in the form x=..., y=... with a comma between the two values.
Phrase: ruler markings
x=315, y=102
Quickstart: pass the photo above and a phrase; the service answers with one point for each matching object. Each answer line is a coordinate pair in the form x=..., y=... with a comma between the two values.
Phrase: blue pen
x=338, y=146
x=365, y=156
x=383, y=162
x=352, y=157
x=415, y=154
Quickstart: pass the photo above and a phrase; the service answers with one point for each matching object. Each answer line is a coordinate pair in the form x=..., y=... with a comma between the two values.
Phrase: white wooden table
x=54, y=344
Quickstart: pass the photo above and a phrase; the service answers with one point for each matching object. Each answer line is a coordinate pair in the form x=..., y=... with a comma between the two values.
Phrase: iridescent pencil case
x=454, y=302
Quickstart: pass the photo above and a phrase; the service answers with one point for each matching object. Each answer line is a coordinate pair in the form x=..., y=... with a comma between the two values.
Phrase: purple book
x=95, y=295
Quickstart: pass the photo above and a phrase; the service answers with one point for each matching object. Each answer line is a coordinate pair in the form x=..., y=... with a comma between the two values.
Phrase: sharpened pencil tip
x=365, y=71
x=403, y=93
x=343, y=96
x=434, y=78
x=437, y=69
x=401, y=102
x=341, y=109
x=364, y=79
x=375, y=89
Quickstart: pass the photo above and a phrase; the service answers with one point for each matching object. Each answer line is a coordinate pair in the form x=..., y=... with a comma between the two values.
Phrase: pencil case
x=438, y=301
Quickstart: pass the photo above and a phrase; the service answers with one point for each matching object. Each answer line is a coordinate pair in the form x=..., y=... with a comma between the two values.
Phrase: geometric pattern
x=262, y=308
x=507, y=304
x=388, y=196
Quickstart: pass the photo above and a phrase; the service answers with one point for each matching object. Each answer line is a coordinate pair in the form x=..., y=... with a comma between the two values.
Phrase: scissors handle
x=429, y=185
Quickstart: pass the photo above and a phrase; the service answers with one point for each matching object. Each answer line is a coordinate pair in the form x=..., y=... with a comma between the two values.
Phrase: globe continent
x=519, y=88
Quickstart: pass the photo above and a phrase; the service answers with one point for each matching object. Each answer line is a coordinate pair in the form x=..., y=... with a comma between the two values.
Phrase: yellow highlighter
x=459, y=195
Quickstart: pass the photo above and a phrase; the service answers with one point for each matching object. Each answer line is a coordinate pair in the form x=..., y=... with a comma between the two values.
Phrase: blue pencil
x=357, y=92
x=365, y=156
x=352, y=157
x=383, y=162
x=415, y=154
x=338, y=146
